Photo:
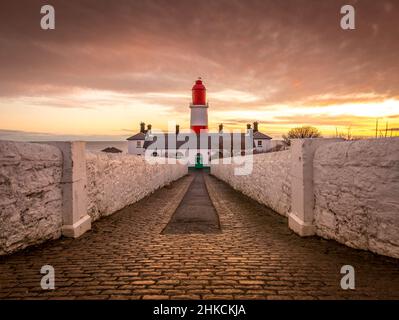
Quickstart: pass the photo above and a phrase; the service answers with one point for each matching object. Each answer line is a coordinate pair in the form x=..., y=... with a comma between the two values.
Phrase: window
x=259, y=143
x=138, y=144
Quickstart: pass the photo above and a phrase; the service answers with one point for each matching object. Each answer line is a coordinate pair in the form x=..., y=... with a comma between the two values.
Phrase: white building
x=135, y=144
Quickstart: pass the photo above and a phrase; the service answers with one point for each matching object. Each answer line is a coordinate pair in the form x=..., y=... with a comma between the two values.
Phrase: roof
x=138, y=136
x=259, y=136
x=147, y=143
x=112, y=150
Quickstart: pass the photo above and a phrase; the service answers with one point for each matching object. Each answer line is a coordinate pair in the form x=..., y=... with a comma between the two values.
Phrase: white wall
x=115, y=180
x=278, y=143
x=30, y=194
x=269, y=183
x=266, y=145
x=35, y=206
x=198, y=115
x=356, y=186
x=133, y=149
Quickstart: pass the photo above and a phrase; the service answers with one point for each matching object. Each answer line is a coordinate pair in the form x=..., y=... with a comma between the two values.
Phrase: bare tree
x=349, y=135
x=301, y=133
x=386, y=129
x=376, y=128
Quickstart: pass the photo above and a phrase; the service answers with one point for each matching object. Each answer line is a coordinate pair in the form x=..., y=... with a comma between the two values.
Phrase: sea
x=97, y=146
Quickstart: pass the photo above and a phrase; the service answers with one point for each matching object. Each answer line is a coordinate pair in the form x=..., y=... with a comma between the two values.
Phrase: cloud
x=229, y=95
x=334, y=99
x=323, y=120
x=253, y=55
x=149, y=46
x=21, y=135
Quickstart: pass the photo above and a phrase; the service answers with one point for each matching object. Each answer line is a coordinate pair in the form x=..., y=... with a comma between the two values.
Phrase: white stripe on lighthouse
x=199, y=115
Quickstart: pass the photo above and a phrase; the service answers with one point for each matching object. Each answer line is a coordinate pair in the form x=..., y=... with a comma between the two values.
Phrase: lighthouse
x=199, y=108
x=198, y=150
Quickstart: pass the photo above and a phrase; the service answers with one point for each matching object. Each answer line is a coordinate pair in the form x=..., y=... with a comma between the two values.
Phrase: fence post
x=300, y=219
x=75, y=220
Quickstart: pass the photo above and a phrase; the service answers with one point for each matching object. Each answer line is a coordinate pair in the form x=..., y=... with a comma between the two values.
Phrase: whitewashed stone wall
x=115, y=181
x=356, y=186
x=269, y=183
x=32, y=203
x=30, y=194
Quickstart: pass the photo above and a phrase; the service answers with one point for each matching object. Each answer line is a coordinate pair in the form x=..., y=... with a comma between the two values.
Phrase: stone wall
x=46, y=188
x=346, y=191
x=115, y=181
x=356, y=188
x=30, y=194
x=269, y=183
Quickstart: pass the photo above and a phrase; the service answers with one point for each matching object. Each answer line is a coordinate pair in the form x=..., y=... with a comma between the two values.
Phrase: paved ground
x=195, y=213
x=254, y=256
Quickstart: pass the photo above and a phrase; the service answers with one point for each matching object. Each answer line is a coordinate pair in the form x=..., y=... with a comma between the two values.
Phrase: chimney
x=149, y=128
x=142, y=127
x=256, y=126
x=249, y=129
x=221, y=127
x=177, y=129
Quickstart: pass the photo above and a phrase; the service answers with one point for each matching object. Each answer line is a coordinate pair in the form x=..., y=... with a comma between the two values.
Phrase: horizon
x=97, y=76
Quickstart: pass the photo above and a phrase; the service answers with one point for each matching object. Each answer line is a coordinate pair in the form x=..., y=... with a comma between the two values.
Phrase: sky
x=109, y=65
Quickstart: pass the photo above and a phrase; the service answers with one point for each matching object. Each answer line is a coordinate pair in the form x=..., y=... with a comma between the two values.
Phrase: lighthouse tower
x=199, y=108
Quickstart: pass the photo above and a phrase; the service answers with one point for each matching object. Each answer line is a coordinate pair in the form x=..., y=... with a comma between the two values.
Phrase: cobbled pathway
x=254, y=256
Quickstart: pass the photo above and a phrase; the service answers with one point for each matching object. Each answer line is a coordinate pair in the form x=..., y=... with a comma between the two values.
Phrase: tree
x=344, y=136
x=301, y=133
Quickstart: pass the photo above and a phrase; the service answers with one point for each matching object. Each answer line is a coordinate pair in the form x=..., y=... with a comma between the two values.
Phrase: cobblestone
x=255, y=256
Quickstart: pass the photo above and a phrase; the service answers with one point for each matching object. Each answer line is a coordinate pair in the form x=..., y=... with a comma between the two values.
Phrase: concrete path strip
x=195, y=213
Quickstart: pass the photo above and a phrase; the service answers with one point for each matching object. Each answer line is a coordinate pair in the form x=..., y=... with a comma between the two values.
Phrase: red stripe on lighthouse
x=197, y=129
x=199, y=93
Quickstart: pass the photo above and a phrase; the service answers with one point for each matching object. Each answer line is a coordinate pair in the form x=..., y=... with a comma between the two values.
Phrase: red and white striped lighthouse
x=199, y=108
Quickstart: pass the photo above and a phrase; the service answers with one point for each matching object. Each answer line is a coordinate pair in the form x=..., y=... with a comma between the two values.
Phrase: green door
x=199, y=164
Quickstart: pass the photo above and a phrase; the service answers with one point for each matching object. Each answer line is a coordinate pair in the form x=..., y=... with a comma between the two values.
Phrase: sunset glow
x=95, y=78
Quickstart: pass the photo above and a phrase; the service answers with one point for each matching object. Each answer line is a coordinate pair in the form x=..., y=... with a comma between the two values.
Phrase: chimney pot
x=256, y=126
x=142, y=127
